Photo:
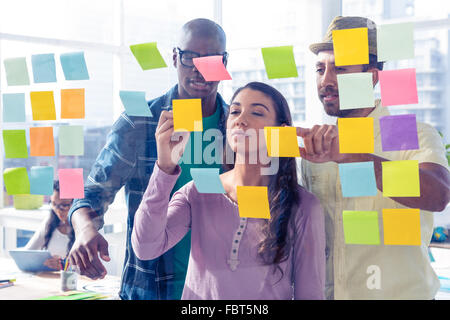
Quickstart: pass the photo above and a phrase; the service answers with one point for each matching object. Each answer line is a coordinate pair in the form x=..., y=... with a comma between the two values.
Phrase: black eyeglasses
x=186, y=57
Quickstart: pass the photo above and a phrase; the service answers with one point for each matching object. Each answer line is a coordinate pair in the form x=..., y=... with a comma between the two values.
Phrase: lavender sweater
x=223, y=262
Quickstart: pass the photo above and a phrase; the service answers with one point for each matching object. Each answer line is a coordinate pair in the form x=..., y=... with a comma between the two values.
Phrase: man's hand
x=53, y=263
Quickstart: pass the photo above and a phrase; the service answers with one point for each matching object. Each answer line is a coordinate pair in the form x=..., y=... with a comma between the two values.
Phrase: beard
x=334, y=111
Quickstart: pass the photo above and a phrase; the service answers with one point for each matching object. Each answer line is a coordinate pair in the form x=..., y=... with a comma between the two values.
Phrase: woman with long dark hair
x=55, y=235
x=232, y=257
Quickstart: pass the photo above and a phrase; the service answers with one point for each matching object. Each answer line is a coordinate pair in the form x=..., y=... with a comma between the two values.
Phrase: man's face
x=327, y=86
x=191, y=83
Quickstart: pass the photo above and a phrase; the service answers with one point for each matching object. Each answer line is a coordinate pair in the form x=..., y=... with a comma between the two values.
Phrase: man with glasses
x=128, y=159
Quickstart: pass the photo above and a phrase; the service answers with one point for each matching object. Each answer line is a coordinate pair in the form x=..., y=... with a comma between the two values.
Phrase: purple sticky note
x=399, y=132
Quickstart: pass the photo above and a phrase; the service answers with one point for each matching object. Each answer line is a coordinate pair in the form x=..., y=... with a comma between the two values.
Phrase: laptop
x=31, y=260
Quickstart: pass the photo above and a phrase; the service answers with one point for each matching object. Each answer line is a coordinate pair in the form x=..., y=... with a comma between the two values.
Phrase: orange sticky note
x=402, y=227
x=253, y=202
x=41, y=142
x=356, y=135
x=72, y=104
x=351, y=46
x=43, y=105
x=281, y=141
x=187, y=115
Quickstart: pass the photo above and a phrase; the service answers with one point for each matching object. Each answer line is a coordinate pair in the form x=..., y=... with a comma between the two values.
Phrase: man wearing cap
x=370, y=271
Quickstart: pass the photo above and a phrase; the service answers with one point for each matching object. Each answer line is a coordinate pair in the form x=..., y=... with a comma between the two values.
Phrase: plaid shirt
x=127, y=159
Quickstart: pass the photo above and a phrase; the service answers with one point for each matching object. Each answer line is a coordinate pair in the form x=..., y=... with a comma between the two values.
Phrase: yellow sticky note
x=356, y=135
x=187, y=115
x=351, y=46
x=253, y=202
x=43, y=105
x=281, y=141
x=401, y=227
x=401, y=178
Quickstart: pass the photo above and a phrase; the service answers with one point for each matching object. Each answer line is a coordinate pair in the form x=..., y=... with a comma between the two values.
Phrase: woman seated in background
x=232, y=257
x=55, y=234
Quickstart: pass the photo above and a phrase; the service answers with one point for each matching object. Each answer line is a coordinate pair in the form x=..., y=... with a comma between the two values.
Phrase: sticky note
x=72, y=103
x=74, y=66
x=399, y=132
x=212, y=68
x=279, y=62
x=43, y=105
x=16, y=71
x=361, y=227
x=355, y=90
x=395, y=41
x=148, y=56
x=15, y=143
x=207, y=180
x=71, y=183
x=398, y=87
x=351, y=46
x=44, y=69
x=16, y=181
x=135, y=103
x=356, y=135
x=41, y=180
x=281, y=141
x=358, y=179
x=71, y=140
x=14, y=107
x=187, y=115
x=401, y=227
x=253, y=202
x=401, y=178
x=41, y=142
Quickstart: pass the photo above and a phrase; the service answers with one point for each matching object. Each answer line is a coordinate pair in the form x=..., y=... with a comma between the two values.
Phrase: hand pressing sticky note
x=16, y=181
x=74, y=66
x=43, y=105
x=41, y=180
x=401, y=227
x=351, y=46
x=41, y=142
x=355, y=90
x=281, y=141
x=14, y=107
x=44, y=69
x=71, y=140
x=187, y=115
x=356, y=135
x=135, y=103
x=71, y=183
x=16, y=71
x=148, y=56
x=279, y=62
x=361, y=227
x=358, y=179
x=401, y=178
x=395, y=41
x=207, y=180
x=212, y=68
x=253, y=202
x=399, y=132
x=72, y=104
x=398, y=87
x=15, y=143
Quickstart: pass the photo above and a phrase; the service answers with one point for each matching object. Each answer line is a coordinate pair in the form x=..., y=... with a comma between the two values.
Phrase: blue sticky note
x=74, y=66
x=41, y=180
x=207, y=180
x=14, y=107
x=44, y=69
x=358, y=179
x=135, y=103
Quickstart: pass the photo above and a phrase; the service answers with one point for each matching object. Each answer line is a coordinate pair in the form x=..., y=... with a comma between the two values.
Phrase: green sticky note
x=15, y=142
x=16, y=181
x=355, y=90
x=16, y=71
x=148, y=56
x=279, y=62
x=401, y=178
x=361, y=227
x=71, y=140
x=395, y=41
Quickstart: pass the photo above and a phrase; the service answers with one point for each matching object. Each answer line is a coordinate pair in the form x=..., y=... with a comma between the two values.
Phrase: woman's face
x=60, y=206
x=250, y=111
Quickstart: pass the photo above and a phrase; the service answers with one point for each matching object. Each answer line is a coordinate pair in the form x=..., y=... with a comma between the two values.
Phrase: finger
x=330, y=138
x=165, y=115
x=318, y=140
x=302, y=132
x=97, y=267
x=88, y=267
x=167, y=125
x=103, y=250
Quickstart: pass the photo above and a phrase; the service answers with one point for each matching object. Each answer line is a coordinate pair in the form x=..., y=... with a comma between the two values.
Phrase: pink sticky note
x=212, y=68
x=398, y=87
x=71, y=184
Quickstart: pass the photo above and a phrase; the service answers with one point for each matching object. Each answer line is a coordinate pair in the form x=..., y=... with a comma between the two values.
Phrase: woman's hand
x=53, y=263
